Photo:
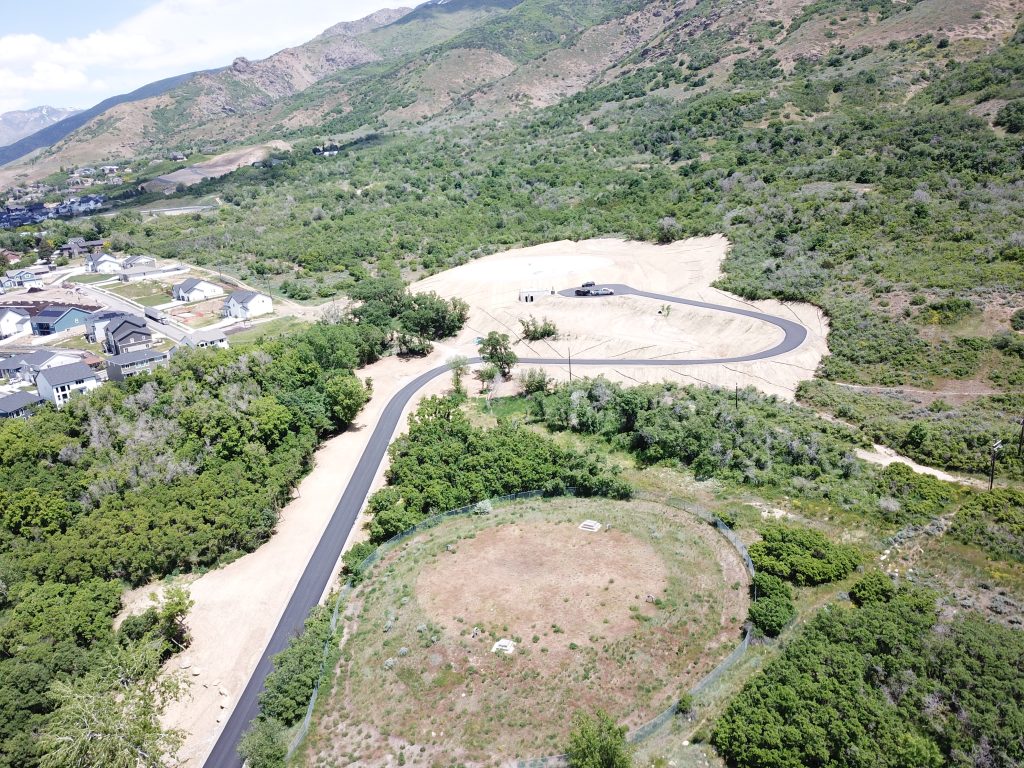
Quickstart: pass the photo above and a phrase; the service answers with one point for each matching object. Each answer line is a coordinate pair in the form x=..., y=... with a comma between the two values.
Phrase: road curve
x=321, y=565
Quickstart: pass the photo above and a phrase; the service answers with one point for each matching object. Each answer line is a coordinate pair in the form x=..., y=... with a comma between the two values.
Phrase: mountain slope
x=54, y=133
x=237, y=102
x=21, y=123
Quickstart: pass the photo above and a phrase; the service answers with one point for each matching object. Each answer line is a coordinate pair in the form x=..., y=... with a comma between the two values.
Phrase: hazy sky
x=74, y=53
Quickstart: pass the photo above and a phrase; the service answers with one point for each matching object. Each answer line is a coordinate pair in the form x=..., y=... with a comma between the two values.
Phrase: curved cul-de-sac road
x=320, y=568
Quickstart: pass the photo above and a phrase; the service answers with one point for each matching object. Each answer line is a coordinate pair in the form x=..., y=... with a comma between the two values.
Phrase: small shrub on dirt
x=597, y=742
x=533, y=381
x=1017, y=320
x=535, y=330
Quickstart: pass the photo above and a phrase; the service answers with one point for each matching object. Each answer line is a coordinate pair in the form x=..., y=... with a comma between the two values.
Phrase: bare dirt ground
x=420, y=676
x=238, y=606
x=215, y=167
x=630, y=326
x=518, y=576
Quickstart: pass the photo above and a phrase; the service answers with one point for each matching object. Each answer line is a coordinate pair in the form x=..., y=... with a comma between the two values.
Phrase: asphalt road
x=321, y=566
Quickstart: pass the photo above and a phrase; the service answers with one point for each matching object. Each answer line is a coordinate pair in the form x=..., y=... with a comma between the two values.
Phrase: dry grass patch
x=623, y=618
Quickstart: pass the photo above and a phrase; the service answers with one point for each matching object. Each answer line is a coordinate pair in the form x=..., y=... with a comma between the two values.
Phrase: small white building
x=247, y=305
x=102, y=264
x=530, y=295
x=14, y=321
x=59, y=384
x=196, y=289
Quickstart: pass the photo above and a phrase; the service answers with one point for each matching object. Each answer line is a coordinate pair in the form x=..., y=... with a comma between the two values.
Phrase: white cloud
x=170, y=37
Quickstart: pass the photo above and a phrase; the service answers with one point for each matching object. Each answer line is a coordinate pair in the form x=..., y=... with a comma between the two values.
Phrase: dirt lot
x=621, y=326
x=215, y=167
x=519, y=576
x=622, y=618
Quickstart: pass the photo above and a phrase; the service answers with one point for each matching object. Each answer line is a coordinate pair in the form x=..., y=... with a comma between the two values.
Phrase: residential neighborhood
x=14, y=215
x=107, y=317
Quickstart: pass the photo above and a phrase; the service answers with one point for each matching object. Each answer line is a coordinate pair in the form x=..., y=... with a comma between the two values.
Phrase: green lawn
x=147, y=293
x=89, y=278
x=272, y=328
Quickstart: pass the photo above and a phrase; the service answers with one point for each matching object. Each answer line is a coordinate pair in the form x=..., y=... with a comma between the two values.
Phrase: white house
x=196, y=289
x=137, y=262
x=24, y=278
x=102, y=263
x=247, y=305
x=58, y=384
x=205, y=339
x=14, y=321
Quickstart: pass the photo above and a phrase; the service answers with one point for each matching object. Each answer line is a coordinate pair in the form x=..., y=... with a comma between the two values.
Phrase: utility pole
x=997, y=446
x=736, y=398
x=569, y=347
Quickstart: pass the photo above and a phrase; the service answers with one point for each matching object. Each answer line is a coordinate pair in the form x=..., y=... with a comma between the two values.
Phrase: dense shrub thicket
x=444, y=462
x=802, y=556
x=160, y=474
x=884, y=684
x=747, y=438
x=772, y=608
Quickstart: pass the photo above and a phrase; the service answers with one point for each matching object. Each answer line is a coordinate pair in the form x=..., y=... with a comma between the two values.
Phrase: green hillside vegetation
x=957, y=438
x=855, y=176
x=164, y=474
x=444, y=462
x=856, y=211
x=885, y=684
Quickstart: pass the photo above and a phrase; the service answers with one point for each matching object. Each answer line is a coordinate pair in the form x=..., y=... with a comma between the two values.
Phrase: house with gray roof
x=247, y=305
x=19, y=405
x=59, y=384
x=23, y=278
x=196, y=289
x=79, y=245
x=127, y=334
x=96, y=325
x=121, y=367
x=205, y=339
x=57, y=318
x=26, y=366
x=138, y=262
x=102, y=263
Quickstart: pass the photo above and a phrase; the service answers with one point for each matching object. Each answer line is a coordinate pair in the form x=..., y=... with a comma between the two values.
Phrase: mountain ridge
x=184, y=110
x=19, y=123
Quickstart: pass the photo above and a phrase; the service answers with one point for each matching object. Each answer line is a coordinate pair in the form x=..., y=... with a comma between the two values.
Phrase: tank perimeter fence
x=485, y=507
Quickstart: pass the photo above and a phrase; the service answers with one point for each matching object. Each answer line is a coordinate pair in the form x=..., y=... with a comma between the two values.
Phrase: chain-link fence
x=483, y=507
x=652, y=726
